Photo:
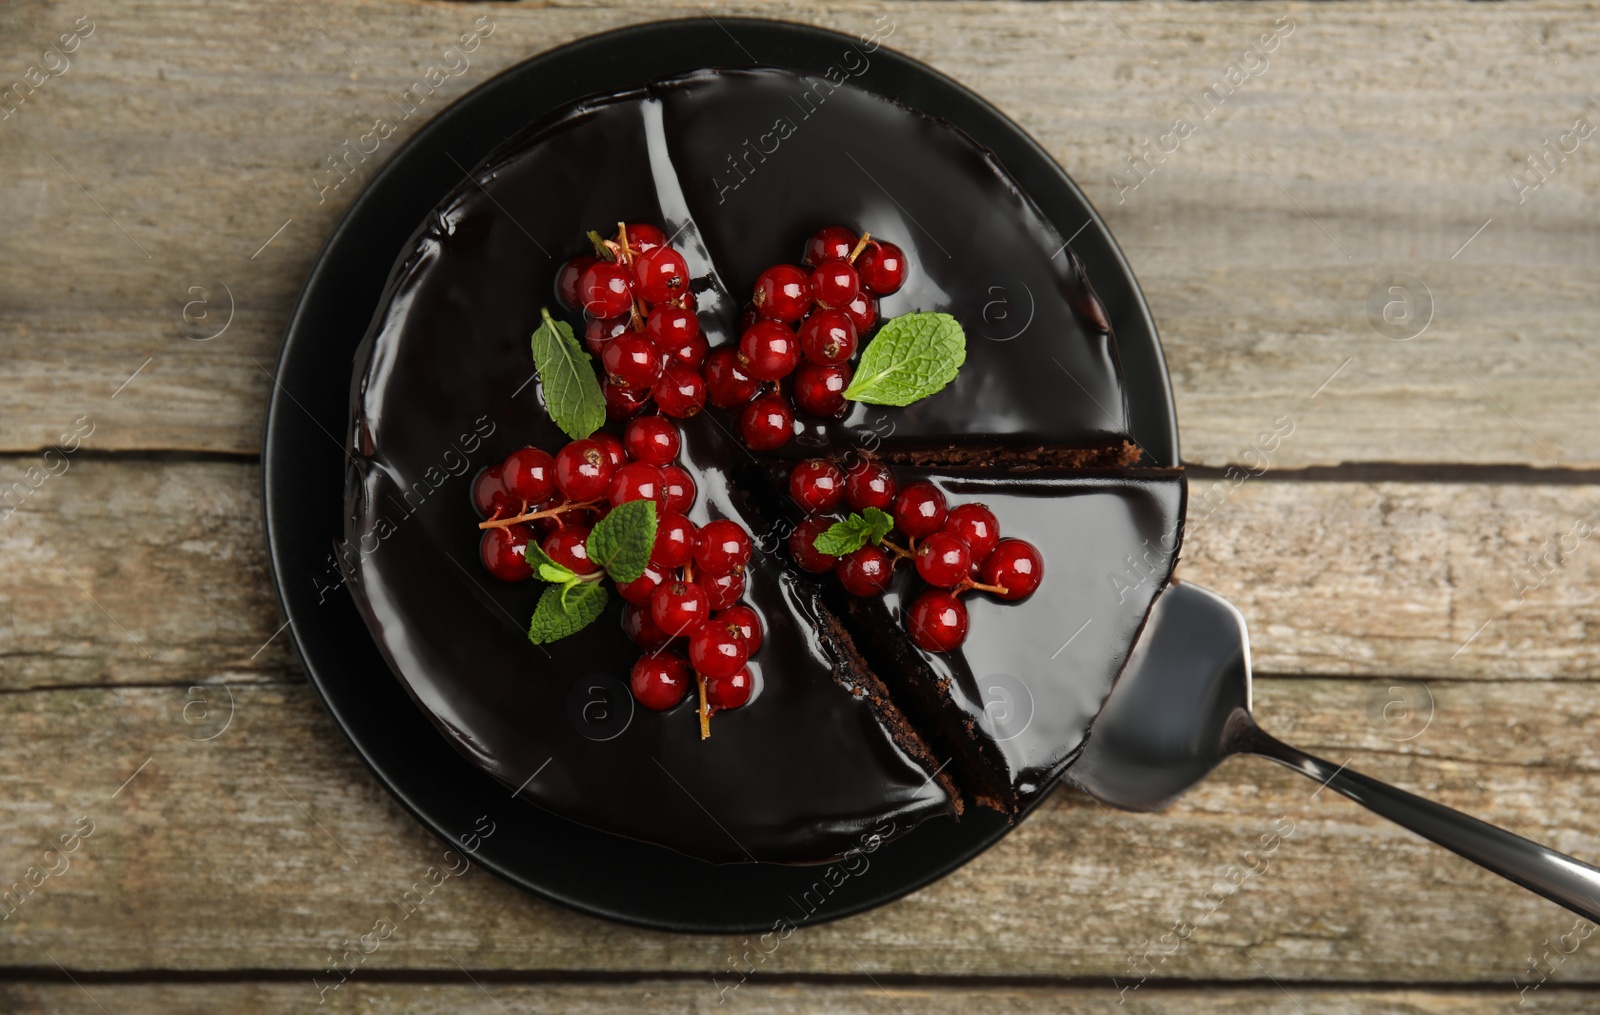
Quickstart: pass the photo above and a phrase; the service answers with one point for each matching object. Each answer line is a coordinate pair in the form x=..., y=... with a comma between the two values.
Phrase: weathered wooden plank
x=488, y=997
x=258, y=848
x=1372, y=139
x=1444, y=579
x=154, y=572
x=136, y=572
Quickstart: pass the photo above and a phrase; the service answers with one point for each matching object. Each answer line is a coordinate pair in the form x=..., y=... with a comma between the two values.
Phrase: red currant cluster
x=689, y=590
x=954, y=550
x=806, y=321
x=640, y=321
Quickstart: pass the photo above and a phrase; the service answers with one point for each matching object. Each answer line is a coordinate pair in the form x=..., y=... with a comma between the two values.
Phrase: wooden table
x=1416, y=560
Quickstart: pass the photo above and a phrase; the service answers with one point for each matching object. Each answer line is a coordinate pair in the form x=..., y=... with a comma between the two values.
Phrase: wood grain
x=155, y=572
x=489, y=997
x=1433, y=634
x=1378, y=139
x=257, y=848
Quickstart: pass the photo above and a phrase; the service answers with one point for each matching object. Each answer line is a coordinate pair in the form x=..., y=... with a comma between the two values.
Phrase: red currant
x=1014, y=565
x=748, y=623
x=816, y=485
x=828, y=336
x=727, y=384
x=731, y=691
x=583, y=470
x=643, y=236
x=615, y=452
x=803, y=545
x=567, y=281
x=679, y=608
x=944, y=560
x=869, y=484
x=636, y=481
x=863, y=311
x=639, y=591
x=882, y=267
x=660, y=682
x=549, y=523
x=724, y=589
x=679, y=487
x=723, y=547
x=681, y=391
x=819, y=390
x=920, y=510
x=489, y=495
x=599, y=331
x=783, y=293
x=767, y=422
x=663, y=274
x=748, y=316
x=669, y=326
x=530, y=475
x=769, y=351
x=865, y=572
x=623, y=402
x=651, y=440
x=631, y=360
x=830, y=243
x=569, y=547
x=605, y=289
x=937, y=621
x=835, y=283
x=641, y=630
x=975, y=525
x=716, y=650
x=675, y=540
x=501, y=550
x=691, y=353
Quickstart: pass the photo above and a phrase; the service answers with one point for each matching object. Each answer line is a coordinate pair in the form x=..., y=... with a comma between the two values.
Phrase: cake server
x=1182, y=705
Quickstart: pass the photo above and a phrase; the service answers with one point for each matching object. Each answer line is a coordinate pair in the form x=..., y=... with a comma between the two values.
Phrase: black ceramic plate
x=304, y=473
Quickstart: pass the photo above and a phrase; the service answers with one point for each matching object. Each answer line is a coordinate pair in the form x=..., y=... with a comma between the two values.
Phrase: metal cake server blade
x=1182, y=705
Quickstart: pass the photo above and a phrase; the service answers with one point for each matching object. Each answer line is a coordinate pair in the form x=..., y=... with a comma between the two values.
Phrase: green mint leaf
x=566, y=590
x=879, y=523
x=621, y=541
x=601, y=251
x=560, y=614
x=912, y=357
x=544, y=566
x=566, y=372
x=556, y=573
x=844, y=537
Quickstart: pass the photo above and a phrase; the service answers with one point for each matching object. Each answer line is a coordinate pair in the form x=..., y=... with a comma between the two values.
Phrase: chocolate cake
x=851, y=724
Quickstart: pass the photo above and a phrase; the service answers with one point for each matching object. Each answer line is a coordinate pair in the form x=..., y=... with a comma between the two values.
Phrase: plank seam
x=558, y=977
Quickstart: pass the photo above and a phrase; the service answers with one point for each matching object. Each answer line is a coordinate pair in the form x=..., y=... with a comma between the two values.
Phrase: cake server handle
x=1556, y=876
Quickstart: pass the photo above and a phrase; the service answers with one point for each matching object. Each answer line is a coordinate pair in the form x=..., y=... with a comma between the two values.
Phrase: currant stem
x=896, y=550
x=705, y=716
x=998, y=590
x=602, y=246
x=528, y=516
x=861, y=245
x=622, y=231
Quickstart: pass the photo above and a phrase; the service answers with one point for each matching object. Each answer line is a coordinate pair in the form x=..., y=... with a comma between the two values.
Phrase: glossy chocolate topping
x=1015, y=700
x=444, y=386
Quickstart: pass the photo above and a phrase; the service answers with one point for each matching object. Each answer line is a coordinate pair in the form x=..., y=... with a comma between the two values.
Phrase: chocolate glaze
x=444, y=387
x=1011, y=706
x=765, y=158
x=1019, y=694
